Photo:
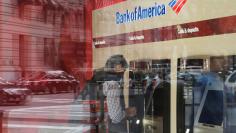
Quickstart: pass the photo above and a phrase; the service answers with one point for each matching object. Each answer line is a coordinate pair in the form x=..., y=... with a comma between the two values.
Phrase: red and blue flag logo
x=177, y=5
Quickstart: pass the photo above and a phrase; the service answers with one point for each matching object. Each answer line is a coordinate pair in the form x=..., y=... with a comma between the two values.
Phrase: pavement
x=53, y=119
x=58, y=113
x=50, y=114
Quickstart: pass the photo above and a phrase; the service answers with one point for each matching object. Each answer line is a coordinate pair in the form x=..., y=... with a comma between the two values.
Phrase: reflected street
x=57, y=113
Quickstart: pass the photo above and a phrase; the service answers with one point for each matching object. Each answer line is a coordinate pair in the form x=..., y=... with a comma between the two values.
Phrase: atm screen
x=194, y=62
x=212, y=111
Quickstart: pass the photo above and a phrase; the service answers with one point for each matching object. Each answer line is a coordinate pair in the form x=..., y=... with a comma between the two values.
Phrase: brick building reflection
x=33, y=35
x=40, y=35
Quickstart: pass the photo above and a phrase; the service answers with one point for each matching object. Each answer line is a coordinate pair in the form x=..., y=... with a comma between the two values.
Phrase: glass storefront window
x=117, y=66
x=210, y=107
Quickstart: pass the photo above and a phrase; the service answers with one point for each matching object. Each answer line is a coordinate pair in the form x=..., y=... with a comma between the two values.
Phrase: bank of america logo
x=177, y=5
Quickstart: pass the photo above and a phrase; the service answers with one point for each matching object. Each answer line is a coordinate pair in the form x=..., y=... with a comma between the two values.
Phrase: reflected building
x=37, y=34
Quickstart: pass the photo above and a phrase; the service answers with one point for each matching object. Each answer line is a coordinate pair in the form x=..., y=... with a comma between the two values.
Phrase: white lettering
x=187, y=30
x=132, y=38
x=99, y=42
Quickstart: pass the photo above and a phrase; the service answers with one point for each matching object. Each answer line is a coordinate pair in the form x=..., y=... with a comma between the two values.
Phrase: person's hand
x=97, y=121
x=131, y=111
x=106, y=118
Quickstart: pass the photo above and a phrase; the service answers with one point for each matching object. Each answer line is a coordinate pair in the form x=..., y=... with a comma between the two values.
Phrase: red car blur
x=13, y=94
x=50, y=82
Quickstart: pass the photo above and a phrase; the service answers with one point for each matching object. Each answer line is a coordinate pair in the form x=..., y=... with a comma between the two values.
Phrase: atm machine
x=209, y=118
x=203, y=112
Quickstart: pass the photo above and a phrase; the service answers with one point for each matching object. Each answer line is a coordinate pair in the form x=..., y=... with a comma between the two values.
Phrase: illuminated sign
x=140, y=13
